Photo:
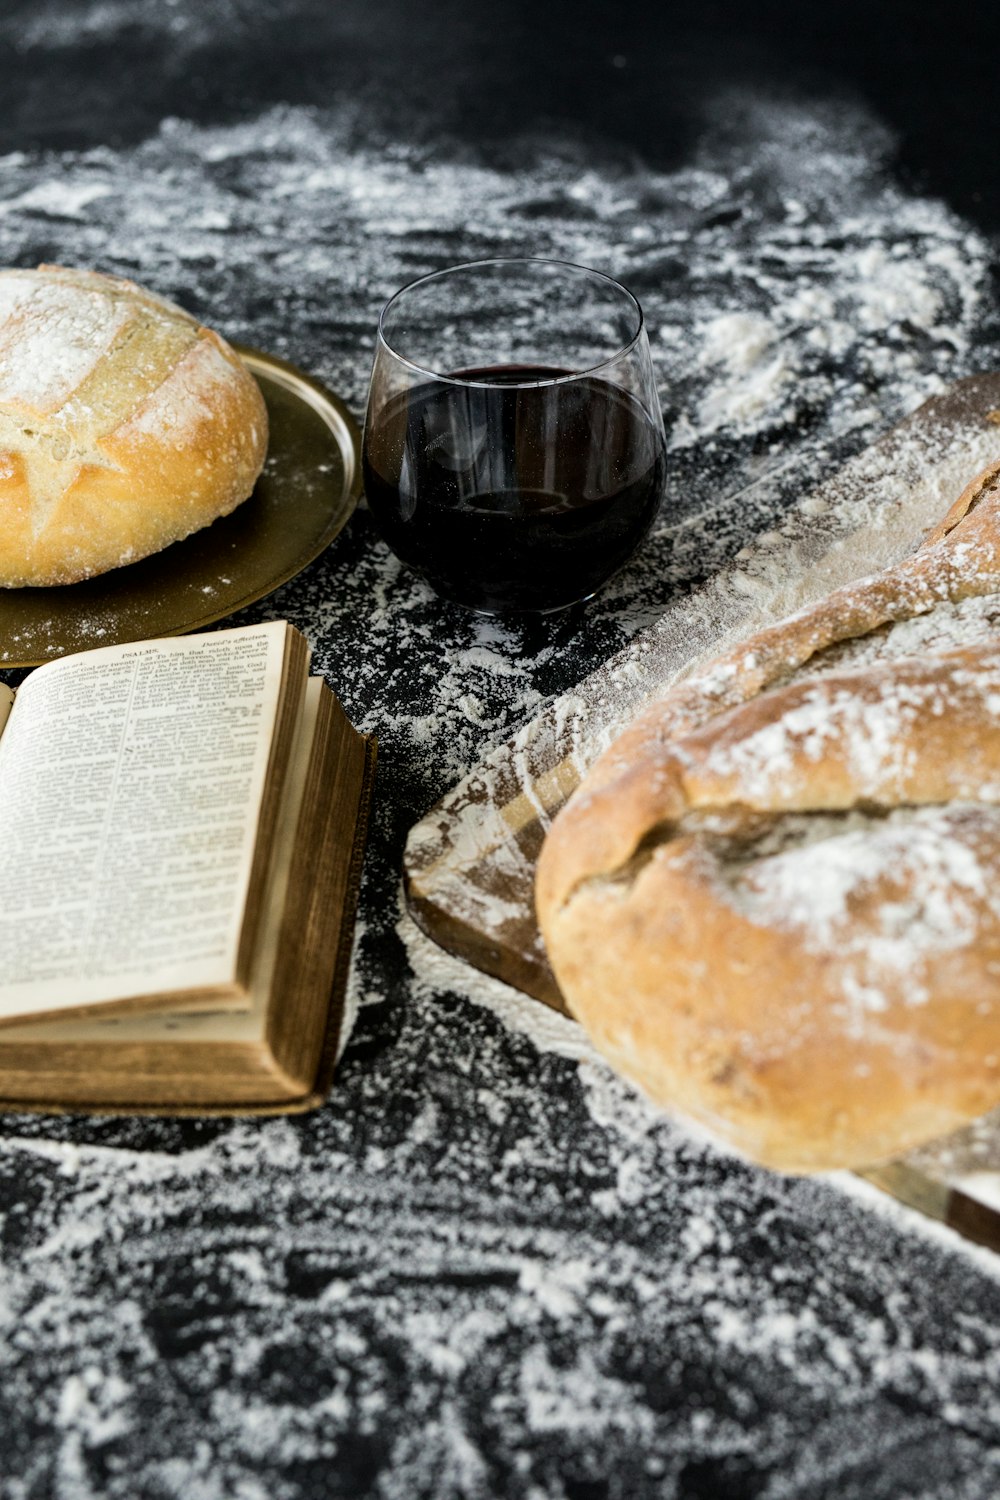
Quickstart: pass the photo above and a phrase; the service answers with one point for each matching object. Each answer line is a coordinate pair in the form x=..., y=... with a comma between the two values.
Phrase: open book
x=182, y=828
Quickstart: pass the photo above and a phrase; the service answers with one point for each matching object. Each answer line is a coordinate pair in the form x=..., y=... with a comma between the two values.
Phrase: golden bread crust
x=124, y=425
x=775, y=901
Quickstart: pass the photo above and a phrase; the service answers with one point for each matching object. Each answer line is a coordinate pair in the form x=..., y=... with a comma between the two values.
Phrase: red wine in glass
x=524, y=483
x=515, y=487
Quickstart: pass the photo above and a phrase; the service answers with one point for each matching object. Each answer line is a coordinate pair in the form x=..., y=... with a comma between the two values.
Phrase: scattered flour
x=436, y=970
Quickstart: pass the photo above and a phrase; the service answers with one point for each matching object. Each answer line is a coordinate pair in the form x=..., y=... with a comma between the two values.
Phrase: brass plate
x=308, y=489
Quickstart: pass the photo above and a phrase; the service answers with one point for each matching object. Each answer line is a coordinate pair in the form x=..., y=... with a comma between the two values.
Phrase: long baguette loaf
x=124, y=425
x=775, y=901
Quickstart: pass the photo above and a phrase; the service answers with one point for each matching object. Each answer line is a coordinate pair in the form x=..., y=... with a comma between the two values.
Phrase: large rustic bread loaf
x=775, y=901
x=124, y=426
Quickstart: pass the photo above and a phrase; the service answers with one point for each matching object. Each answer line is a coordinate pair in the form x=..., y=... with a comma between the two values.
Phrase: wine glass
x=514, y=450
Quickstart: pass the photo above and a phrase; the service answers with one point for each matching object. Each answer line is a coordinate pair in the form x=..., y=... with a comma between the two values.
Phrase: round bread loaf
x=774, y=903
x=124, y=425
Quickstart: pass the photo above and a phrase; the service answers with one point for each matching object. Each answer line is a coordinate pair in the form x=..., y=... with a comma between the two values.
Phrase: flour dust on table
x=487, y=1269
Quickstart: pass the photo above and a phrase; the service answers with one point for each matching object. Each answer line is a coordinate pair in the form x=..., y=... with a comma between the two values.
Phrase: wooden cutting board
x=469, y=864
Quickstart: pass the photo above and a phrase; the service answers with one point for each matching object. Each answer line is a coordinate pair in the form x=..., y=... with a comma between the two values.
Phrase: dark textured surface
x=488, y=1270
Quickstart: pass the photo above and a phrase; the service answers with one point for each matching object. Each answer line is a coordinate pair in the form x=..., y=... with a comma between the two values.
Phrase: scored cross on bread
x=124, y=425
x=775, y=901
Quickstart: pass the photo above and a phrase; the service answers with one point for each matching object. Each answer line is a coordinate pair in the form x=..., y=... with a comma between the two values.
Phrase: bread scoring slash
x=124, y=425
x=774, y=903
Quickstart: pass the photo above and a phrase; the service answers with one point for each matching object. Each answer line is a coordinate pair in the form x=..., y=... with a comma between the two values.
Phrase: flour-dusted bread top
x=124, y=425
x=775, y=901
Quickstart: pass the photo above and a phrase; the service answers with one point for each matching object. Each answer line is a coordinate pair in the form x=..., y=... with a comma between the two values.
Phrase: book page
x=6, y=704
x=131, y=780
x=245, y=1025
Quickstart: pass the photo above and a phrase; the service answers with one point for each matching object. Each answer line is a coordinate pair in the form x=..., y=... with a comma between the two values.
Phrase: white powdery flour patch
x=781, y=272
x=435, y=970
